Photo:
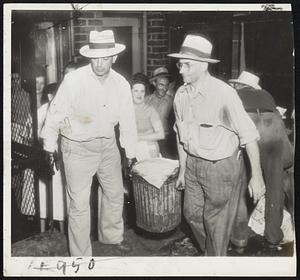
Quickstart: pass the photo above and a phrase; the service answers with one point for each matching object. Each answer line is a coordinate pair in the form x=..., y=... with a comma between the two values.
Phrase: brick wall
x=157, y=41
x=85, y=23
x=157, y=36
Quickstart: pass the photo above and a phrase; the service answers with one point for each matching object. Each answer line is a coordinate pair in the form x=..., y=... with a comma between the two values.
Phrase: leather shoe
x=239, y=250
x=275, y=247
x=123, y=247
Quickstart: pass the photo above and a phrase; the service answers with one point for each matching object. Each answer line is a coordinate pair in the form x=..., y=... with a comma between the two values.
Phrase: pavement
x=175, y=243
x=28, y=241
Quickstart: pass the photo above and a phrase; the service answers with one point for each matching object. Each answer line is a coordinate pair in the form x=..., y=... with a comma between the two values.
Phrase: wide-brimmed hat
x=101, y=44
x=195, y=47
x=160, y=72
x=247, y=78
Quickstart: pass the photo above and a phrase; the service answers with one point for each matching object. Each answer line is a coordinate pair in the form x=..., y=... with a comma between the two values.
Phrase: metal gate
x=24, y=151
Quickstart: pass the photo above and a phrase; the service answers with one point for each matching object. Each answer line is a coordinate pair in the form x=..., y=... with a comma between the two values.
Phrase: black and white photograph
x=149, y=139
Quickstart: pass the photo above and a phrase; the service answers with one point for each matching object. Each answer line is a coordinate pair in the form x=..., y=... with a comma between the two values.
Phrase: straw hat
x=195, y=47
x=160, y=72
x=248, y=79
x=101, y=44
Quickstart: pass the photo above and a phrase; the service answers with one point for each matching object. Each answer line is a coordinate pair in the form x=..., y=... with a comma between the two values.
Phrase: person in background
x=58, y=188
x=276, y=151
x=40, y=82
x=162, y=103
x=212, y=126
x=149, y=125
x=89, y=103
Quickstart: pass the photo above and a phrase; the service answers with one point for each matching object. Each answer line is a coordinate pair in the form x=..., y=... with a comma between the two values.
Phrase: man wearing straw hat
x=163, y=103
x=89, y=103
x=276, y=151
x=212, y=126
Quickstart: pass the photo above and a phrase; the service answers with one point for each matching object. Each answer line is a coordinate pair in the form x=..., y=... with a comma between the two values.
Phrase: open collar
x=91, y=72
x=202, y=88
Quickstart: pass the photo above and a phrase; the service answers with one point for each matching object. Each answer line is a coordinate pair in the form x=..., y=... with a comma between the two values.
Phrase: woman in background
x=149, y=125
x=58, y=189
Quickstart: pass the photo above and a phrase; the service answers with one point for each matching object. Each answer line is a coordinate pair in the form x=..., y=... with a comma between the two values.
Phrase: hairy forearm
x=182, y=156
x=254, y=158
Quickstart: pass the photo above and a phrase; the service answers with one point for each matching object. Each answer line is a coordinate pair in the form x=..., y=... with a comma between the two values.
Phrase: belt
x=259, y=111
x=236, y=154
x=85, y=140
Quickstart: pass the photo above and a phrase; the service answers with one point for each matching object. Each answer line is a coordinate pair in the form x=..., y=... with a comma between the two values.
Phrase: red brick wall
x=157, y=41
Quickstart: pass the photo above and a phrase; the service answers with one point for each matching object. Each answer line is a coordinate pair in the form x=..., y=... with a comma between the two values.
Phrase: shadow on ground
x=28, y=242
x=175, y=243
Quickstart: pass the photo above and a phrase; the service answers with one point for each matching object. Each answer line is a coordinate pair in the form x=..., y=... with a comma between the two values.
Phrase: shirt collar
x=202, y=88
x=91, y=72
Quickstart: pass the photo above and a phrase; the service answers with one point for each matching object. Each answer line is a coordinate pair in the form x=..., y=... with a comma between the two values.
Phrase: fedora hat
x=101, y=44
x=160, y=72
x=195, y=47
x=247, y=78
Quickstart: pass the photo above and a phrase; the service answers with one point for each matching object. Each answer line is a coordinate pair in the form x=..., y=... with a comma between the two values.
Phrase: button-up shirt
x=210, y=119
x=85, y=108
x=163, y=106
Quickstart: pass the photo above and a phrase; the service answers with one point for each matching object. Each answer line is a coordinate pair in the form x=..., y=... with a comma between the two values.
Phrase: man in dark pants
x=276, y=154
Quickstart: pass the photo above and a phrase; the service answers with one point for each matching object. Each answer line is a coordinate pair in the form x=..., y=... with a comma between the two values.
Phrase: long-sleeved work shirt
x=85, y=108
x=211, y=121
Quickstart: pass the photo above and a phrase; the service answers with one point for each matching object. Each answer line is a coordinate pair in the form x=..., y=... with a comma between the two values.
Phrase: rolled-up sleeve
x=55, y=116
x=175, y=108
x=240, y=120
x=128, y=130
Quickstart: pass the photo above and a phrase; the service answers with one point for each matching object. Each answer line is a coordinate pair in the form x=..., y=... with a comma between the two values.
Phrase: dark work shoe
x=123, y=247
x=234, y=249
x=275, y=247
x=239, y=250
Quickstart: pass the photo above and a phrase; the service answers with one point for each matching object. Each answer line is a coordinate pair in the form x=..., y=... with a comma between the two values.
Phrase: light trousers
x=81, y=161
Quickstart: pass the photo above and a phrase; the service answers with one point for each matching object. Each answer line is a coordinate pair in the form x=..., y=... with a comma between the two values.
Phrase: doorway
x=126, y=32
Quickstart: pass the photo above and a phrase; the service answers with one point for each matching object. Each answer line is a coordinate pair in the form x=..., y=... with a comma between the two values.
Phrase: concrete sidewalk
x=176, y=243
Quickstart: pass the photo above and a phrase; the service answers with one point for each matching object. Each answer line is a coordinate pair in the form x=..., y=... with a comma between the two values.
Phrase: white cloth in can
x=156, y=170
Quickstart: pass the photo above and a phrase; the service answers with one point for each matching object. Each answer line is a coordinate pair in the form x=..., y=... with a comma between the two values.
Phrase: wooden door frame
x=135, y=24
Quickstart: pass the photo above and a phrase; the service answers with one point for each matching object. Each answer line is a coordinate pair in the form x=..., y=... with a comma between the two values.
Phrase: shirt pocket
x=205, y=136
